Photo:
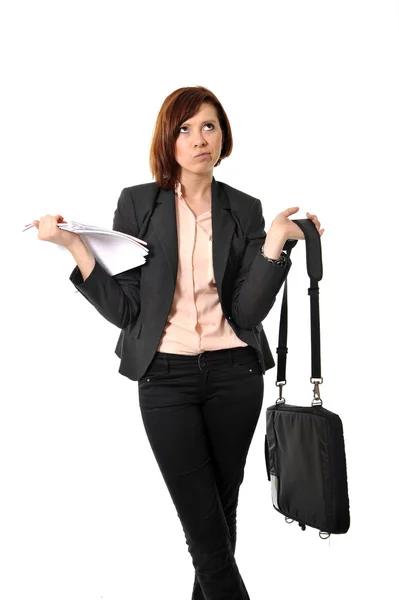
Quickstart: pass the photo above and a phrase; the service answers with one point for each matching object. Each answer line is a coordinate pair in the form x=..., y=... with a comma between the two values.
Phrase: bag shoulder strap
x=315, y=271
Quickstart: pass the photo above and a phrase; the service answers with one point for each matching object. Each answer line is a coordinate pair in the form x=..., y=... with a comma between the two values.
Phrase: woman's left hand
x=289, y=229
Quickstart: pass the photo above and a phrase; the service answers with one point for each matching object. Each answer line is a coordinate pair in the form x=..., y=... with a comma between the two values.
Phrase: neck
x=196, y=187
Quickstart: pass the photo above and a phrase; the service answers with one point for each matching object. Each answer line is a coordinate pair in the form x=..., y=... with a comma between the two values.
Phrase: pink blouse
x=196, y=321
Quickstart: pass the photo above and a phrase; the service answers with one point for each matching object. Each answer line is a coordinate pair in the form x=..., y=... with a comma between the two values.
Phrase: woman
x=191, y=321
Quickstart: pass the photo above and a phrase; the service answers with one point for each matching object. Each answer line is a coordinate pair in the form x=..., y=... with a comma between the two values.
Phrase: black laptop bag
x=304, y=445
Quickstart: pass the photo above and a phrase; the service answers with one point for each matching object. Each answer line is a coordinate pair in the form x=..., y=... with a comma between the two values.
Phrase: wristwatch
x=281, y=261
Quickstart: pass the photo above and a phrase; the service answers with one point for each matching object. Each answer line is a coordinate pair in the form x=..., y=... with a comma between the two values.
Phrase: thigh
x=173, y=419
x=231, y=413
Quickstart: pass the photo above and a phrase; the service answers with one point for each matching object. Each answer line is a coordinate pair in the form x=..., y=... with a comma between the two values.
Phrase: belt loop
x=166, y=363
x=199, y=361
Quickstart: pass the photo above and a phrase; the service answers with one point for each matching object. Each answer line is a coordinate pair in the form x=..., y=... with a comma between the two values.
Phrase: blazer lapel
x=164, y=222
x=223, y=226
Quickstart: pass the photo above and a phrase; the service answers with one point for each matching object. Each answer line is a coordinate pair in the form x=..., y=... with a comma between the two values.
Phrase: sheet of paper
x=77, y=227
x=114, y=250
x=115, y=253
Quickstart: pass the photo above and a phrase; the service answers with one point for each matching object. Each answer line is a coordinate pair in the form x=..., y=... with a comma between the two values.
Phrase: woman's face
x=200, y=134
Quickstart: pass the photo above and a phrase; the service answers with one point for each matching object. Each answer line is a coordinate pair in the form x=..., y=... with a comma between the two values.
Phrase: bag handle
x=315, y=271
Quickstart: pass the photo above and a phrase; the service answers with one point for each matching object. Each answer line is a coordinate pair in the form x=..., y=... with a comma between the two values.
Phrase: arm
x=117, y=297
x=83, y=257
x=258, y=281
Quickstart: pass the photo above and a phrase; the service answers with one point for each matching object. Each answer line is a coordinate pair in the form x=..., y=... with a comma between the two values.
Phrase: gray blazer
x=138, y=301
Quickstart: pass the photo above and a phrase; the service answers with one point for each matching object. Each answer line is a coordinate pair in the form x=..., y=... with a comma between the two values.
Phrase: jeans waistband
x=225, y=354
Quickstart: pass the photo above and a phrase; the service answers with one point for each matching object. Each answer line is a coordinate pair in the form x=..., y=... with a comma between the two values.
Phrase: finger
x=314, y=219
x=290, y=211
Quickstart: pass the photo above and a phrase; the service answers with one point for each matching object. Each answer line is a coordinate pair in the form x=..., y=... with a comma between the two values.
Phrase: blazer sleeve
x=116, y=297
x=258, y=281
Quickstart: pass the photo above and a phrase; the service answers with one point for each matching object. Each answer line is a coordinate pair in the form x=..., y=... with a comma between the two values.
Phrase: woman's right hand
x=50, y=232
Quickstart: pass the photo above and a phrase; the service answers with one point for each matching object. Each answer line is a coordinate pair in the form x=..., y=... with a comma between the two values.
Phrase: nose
x=200, y=141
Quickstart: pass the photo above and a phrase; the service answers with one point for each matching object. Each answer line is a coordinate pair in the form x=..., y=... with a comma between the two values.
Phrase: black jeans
x=200, y=413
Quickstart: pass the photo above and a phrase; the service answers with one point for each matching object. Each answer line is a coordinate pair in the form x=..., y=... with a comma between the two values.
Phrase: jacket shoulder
x=143, y=190
x=142, y=196
x=137, y=202
x=236, y=195
x=241, y=203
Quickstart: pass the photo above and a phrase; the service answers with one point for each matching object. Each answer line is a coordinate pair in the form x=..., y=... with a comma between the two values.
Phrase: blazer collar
x=223, y=225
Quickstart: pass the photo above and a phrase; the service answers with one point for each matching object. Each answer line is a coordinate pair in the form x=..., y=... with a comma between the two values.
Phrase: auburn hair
x=180, y=105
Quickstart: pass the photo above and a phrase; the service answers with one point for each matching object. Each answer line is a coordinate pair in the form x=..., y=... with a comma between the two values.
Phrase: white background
x=311, y=91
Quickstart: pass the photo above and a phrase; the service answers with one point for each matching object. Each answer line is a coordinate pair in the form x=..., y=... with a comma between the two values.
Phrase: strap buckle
x=316, y=391
x=280, y=385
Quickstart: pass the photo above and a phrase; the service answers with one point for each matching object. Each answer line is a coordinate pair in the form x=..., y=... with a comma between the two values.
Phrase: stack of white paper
x=114, y=250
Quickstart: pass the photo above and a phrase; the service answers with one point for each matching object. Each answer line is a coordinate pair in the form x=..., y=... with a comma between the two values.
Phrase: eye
x=185, y=127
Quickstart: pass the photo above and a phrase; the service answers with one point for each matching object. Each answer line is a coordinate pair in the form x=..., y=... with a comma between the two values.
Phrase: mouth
x=202, y=155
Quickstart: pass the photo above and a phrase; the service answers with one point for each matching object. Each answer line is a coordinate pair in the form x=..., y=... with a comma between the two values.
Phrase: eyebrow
x=206, y=121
